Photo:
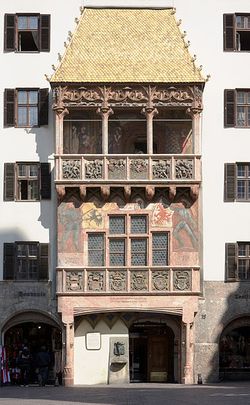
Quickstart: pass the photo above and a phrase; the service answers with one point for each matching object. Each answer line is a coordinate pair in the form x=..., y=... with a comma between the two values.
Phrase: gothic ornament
x=116, y=168
x=93, y=169
x=71, y=169
x=160, y=281
x=184, y=169
x=182, y=280
x=149, y=192
x=138, y=167
x=96, y=281
x=139, y=280
x=117, y=280
x=161, y=169
x=74, y=281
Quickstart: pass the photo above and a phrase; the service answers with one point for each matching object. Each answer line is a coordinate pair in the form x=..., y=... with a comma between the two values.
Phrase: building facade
x=120, y=174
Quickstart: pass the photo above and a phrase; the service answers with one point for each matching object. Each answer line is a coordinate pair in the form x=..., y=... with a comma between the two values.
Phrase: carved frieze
x=184, y=169
x=161, y=169
x=182, y=280
x=139, y=281
x=93, y=169
x=117, y=280
x=160, y=280
x=96, y=281
x=189, y=96
x=71, y=169
x=74, y=281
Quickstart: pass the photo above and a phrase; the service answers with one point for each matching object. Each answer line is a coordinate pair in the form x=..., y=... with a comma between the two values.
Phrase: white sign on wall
x=93, y=341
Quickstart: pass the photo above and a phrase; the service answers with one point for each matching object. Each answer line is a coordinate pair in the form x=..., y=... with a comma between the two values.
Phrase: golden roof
x=126, y=46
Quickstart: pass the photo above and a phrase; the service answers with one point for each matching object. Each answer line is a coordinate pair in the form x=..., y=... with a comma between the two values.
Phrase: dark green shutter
x=229, y=182
x=43, y=261
x=229, y=32
x=231, y=264
x=8, y=261
x=45, y=181
x=229, y=108
x=44, y=32
x=9, y=181
x=9, y=32
x=9, y=107
x=43, y=106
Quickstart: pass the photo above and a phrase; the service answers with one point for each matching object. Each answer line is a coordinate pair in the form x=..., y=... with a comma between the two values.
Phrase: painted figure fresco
x=185, y=227
x=69, y=224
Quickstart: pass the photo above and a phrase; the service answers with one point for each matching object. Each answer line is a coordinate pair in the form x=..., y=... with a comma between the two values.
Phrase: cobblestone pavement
x=133, y=394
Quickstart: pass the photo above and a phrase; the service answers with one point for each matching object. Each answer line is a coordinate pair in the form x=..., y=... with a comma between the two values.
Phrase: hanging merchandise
x=5, y=374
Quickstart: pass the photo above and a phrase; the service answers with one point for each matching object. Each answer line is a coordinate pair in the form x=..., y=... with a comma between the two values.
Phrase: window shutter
x=9, y=107
x=9, y=181
x=229, y=32
x=229, y=182
x=43, y=261
x=9, y=32
x=44, y=32
x=229, y=108
x=45, y=181
x=43, y=106
x=8, y=261
x=231, y=265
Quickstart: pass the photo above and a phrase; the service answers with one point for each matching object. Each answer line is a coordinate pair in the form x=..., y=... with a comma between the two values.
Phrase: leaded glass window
x=96, y=249
x=117, y=252
x=117, y=225
x=139, y=224
x=139, y=252
x=160, y=249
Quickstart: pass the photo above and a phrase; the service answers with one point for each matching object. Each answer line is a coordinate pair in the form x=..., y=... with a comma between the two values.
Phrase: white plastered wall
x=92, y=366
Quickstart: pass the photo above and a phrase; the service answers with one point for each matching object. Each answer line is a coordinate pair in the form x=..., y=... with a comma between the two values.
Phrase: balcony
x=167, y=280
x=117, y=170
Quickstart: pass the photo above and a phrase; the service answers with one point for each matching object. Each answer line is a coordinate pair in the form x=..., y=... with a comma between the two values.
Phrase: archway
x=151, y=352
x=32, y=330
x=235, y=350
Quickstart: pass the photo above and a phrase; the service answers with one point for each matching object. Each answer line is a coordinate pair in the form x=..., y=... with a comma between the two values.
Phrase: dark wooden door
x=158, y=358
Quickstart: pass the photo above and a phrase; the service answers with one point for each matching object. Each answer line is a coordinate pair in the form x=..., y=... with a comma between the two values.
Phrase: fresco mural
x=185, y=226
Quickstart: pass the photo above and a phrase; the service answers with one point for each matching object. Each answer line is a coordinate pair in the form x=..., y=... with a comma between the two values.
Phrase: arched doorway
x=32, y=330
x=151, y=352
x=235, y=350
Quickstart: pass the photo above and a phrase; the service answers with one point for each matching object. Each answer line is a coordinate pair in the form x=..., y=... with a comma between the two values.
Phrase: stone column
x=60, y=114
x=68, y=372
x=188, y=377
x=150, y=112
x=105, y=112
x=195, y=113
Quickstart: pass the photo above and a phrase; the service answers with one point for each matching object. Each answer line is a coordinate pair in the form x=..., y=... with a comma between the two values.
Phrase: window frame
x=128, y=237
x=11, y=107
x=231, y=29
x=231, y=179
x=231, y=108
x=26, y=106
x=11, y=262
x=43, y=32
x=12, y=179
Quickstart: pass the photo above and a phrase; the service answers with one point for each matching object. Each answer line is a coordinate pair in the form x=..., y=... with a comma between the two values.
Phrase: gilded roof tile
x=125, y=46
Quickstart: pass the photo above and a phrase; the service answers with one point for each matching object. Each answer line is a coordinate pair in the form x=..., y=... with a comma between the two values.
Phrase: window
x=27, y=181
x=27, y=33
x=237, y=108
x=26, y=107
x=236, y=32
x=25, y=261
x=238, y=261
x=237, y=182
x=128, y=243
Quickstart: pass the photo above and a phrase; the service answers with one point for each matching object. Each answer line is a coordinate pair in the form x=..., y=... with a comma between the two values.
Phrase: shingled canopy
x=113, y=45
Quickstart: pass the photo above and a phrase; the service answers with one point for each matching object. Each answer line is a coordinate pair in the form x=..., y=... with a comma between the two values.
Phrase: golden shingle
x=126, y=46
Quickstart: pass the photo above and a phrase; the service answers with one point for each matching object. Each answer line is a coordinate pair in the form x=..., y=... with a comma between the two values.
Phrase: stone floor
x=132, y=394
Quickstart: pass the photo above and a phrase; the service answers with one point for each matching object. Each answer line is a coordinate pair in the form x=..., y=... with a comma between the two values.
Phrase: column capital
x=149, y=111
x=194, y=112
x=105, y=111
x=61, y=111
